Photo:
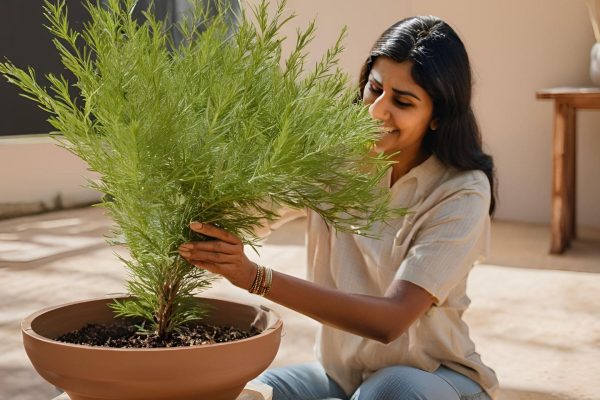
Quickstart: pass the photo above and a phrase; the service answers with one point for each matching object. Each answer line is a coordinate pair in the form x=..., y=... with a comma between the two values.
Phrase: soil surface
x=125, y=335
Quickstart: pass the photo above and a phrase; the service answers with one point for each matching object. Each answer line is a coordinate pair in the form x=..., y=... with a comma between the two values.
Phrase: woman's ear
x=433, y=125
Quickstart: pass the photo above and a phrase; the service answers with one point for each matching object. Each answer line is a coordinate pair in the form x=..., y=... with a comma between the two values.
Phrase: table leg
x=572, y=173
x=559, y=190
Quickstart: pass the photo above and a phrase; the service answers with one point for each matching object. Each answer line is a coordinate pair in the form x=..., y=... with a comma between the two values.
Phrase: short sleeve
x=451, y=239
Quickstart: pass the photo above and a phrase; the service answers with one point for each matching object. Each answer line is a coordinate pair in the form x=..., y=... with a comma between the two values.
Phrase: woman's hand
x=224, y=255
x=373, y=317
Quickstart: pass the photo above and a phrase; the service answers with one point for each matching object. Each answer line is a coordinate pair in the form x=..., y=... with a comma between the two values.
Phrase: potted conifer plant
x=218, y=129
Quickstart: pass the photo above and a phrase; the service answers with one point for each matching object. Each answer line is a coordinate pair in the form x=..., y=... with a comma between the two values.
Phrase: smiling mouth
x=388, y=130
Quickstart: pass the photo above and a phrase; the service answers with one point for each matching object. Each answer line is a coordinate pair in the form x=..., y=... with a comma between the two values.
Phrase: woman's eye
x=402, y=103
x=374, y=89
x=377, y=90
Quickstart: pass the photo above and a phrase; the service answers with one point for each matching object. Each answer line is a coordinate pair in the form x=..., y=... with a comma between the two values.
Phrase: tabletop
x=569, y=92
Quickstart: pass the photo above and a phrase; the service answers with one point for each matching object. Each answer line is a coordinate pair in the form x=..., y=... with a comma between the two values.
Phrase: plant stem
x=167, y=307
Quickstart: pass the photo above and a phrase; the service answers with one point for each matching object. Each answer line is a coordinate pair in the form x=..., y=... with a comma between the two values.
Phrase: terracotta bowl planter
x=208, y=372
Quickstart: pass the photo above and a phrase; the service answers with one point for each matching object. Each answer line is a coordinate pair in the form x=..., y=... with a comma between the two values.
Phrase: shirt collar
x=426, y=175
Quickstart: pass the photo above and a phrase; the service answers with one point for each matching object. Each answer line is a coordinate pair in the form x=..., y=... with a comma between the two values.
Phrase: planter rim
x=27, y=329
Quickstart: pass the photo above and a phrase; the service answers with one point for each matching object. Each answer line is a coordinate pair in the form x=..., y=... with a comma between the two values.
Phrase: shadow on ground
x=522, y=245
x=518, y=394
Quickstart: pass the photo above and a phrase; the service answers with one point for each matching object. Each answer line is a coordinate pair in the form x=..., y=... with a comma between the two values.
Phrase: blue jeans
x=310, y=382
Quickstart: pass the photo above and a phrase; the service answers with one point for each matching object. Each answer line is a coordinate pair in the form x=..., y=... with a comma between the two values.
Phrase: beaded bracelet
x=262, y=281
x=258, y=279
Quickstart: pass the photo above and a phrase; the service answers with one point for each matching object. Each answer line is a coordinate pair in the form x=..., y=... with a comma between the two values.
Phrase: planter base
x=252, y=391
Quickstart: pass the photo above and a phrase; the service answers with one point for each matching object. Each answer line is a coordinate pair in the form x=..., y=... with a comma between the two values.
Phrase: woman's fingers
x=227, y=249
x=215, y=246
x=231, y=267
x=207, y=256
x=214, y=232
x=224, y=255
x=207, y=266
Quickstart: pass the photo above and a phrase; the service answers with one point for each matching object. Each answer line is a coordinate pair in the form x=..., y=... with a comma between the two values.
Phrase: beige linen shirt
x=434, y=247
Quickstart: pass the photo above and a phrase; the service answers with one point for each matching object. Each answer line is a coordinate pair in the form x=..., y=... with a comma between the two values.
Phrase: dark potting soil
x=122, y=335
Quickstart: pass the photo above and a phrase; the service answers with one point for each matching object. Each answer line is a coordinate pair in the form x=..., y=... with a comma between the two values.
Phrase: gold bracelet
x=264, y=287
x=258, y=280
x=262, y=281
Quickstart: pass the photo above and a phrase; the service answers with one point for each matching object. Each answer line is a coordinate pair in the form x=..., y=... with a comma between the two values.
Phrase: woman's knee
x=406, y=383
x=305, y=381
x=281, y=380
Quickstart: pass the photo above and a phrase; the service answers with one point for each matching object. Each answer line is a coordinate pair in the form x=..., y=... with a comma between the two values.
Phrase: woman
x=404, y=337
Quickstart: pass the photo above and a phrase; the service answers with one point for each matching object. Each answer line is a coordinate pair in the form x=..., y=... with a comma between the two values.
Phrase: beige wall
x=516, y=47
x=36, y=175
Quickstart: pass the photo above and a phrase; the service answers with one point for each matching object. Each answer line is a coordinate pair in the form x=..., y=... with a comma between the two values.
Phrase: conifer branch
x=211, y=131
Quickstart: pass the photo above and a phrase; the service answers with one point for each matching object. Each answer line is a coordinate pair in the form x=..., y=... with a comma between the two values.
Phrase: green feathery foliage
x=219, y=129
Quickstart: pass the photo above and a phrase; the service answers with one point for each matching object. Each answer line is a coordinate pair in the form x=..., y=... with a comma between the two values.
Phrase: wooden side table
x=567, y=100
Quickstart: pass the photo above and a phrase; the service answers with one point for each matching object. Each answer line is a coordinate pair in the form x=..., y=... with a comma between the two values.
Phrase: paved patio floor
x=535, y=317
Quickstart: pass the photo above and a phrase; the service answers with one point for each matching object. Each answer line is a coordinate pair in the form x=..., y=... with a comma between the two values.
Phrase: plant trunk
x=166, y=308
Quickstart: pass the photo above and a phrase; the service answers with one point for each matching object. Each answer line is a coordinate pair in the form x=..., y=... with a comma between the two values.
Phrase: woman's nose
x=379, y=109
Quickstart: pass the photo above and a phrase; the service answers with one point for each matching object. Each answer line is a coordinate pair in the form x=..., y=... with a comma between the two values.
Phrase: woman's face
x=403, y=107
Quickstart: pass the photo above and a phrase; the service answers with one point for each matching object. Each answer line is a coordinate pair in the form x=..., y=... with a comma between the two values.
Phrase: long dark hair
x=441, y=67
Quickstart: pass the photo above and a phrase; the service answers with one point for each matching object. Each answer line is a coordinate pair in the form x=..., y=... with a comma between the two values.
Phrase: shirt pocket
x=383, y=255
x=399, y=246
x=394, y=247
